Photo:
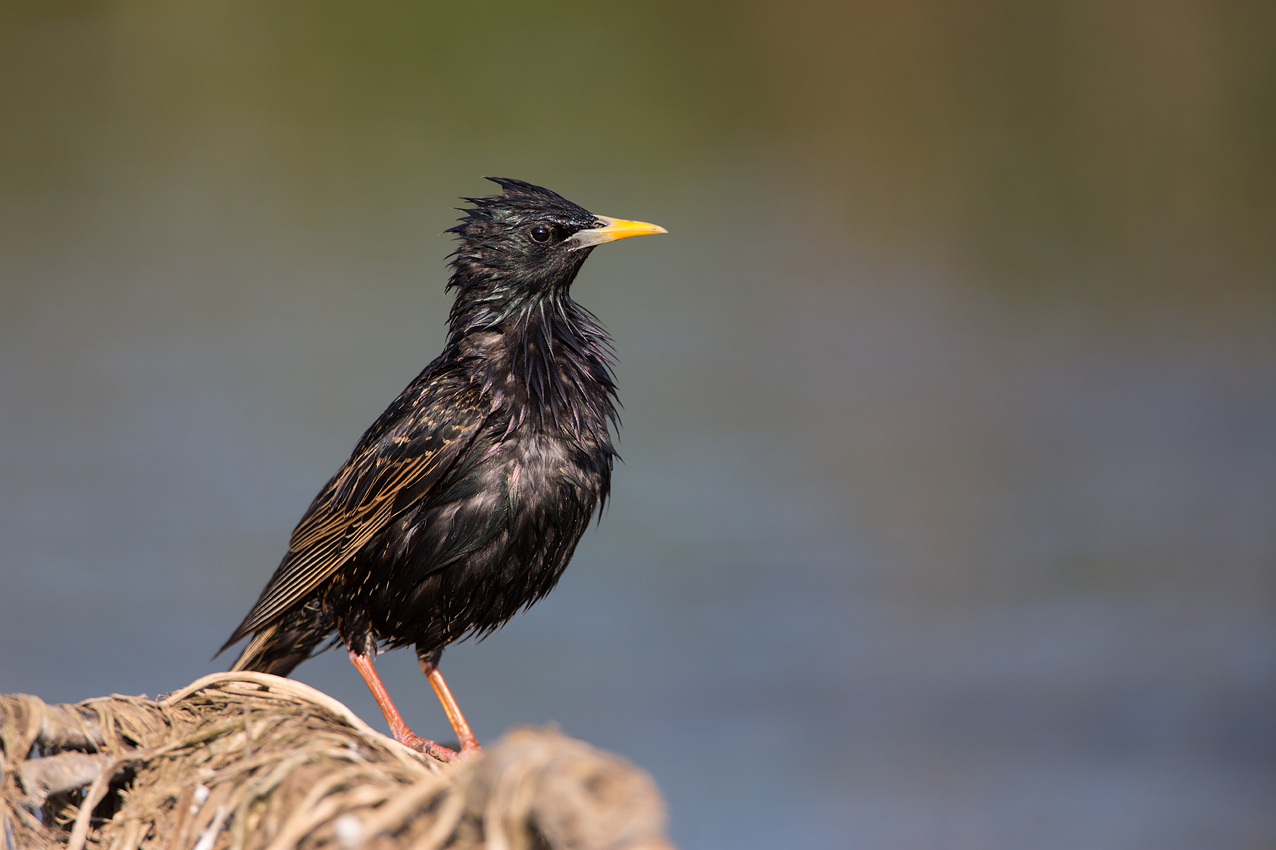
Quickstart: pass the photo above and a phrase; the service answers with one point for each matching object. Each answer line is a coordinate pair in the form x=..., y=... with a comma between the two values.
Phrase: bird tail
x=257, y=657
x=280, y=646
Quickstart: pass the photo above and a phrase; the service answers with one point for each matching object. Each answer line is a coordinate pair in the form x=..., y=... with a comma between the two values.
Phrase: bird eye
x=540, y=233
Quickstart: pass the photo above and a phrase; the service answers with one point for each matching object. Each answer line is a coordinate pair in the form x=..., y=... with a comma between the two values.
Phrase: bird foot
x=425, y=745
x=436, y=750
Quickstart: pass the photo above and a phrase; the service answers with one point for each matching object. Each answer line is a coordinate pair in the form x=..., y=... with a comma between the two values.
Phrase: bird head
x=529, y=240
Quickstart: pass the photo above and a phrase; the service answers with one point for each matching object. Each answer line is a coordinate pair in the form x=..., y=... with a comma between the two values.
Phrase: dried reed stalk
x=249, y=761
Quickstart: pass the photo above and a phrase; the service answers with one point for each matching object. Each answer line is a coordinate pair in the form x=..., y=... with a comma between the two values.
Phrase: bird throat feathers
x=547, y=361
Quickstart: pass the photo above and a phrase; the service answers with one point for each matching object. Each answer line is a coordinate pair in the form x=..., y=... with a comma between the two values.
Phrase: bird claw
x=438, y=751
x=426, y=746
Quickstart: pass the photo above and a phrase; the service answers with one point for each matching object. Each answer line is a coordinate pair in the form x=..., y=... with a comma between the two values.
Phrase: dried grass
x=256, y=762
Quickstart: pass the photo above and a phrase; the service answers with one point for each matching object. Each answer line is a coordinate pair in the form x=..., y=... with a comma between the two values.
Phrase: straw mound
x=251, y=761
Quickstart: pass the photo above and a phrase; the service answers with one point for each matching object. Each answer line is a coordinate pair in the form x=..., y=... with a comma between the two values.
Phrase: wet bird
x=465, y=500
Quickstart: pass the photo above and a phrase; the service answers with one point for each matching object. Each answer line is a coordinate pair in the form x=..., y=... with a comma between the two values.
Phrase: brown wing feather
x=402, y=451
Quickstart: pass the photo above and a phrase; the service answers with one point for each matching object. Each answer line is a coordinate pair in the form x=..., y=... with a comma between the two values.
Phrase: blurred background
x=948, y=510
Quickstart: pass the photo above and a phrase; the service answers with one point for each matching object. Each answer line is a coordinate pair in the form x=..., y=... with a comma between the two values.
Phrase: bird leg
x=429, y=666
x=398, y=727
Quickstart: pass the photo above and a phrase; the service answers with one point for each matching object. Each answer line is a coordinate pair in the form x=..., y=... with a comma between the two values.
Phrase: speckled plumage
x=465, y=500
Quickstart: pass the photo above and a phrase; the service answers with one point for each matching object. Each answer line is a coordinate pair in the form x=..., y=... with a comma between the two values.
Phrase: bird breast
x=528, y=468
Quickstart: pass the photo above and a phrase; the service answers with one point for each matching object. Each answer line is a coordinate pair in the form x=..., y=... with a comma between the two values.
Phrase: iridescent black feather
x=465, y=500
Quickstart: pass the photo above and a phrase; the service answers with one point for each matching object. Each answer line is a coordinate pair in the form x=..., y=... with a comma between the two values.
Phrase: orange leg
x=469, y=744
x=398, y=728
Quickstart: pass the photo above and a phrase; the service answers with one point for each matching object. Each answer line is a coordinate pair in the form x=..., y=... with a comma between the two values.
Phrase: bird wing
x=404, y=453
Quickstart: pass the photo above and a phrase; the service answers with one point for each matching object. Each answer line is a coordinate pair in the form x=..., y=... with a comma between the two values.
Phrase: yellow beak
x=613, y=229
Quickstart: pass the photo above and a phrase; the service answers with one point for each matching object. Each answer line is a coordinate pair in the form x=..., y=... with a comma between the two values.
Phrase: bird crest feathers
x=518, y=196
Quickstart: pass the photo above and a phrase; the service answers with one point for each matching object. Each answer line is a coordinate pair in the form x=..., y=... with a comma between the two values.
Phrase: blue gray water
x=916, y=543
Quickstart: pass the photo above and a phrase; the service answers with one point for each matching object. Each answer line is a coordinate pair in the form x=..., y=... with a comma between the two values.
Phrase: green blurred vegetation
x=1084, y=144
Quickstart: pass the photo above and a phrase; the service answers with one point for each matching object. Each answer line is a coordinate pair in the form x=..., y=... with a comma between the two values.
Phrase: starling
x=464, y=501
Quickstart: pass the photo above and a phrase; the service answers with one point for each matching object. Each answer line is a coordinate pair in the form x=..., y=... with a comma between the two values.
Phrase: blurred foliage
x=1126, y=142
